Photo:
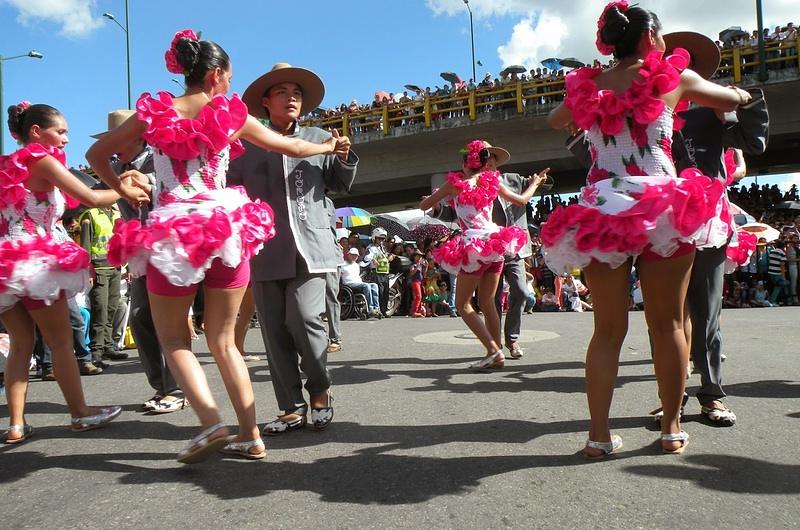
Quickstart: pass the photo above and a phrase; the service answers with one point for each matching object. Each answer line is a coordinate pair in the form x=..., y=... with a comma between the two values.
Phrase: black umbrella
x=571, y=62
x=515, y=69
x=88, y=180
x=732, y=33
x=413, y=88
x=450, y=77
x=393, y=226
x=788, y=205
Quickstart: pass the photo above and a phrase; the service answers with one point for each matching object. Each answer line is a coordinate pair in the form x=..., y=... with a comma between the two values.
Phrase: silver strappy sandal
x=202, y=446
x=87, y=423
x=607, y=448
x=244, y=449
x=25, y=430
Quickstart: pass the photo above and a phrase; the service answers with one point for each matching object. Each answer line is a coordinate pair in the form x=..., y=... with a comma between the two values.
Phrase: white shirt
x=351, y=273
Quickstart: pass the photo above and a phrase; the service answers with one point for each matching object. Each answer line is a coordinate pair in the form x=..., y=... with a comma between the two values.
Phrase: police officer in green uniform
x=97, y=227
x=377, y=258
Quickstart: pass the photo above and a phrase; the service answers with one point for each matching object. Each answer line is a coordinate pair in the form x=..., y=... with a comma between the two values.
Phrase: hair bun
x=15, y=113
x=616, y=25
x=188, y=53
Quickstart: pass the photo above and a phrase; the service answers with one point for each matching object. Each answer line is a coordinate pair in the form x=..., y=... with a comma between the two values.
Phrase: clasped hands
x=134, y=187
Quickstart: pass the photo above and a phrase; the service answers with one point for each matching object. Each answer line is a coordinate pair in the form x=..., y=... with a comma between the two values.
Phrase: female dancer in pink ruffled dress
x=199, y=230
x=477, y=255
x=634, y=207
x=37, y=274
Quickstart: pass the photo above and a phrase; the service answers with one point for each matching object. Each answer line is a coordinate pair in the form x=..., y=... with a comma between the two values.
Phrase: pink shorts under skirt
x=218, y=276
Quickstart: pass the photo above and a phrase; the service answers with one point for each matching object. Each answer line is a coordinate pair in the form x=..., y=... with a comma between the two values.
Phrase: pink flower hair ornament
x=473, y=153
x=171, y=55
x=602, y=47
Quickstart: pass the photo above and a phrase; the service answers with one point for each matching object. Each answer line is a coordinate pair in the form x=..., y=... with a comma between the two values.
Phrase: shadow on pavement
x=727, y=473
x=772, y=389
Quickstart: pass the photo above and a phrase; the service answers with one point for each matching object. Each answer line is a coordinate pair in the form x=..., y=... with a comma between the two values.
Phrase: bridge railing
x=736, y=64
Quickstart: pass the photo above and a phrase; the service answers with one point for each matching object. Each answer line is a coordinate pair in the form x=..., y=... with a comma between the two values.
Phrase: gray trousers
x=290, y=311
x=333, y=309
x=705, y=306
x=144, y=333
x=514, y=274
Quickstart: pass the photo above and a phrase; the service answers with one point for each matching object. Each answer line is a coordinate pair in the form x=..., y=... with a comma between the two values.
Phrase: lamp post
x=762, y=55
x=125, y=28
x=34, y=54
x=472, y=39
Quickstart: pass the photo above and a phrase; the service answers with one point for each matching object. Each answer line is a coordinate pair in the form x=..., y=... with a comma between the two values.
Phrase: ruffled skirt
x=183, y=238
x=476, y=248
x=740, y=249
x=619, y=218
x=41, y=269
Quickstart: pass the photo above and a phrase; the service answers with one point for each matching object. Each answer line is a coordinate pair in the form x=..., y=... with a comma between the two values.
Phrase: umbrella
x=431, y=232
x=450, y=77
x=427, y=220
x=761, y=230
x=352, y=216
x=393, y=226
x=551, y=64
x=515, y=69
x=381, y=96
x=413, y=88
x=788, y=205
x=571, y=62
x=732, y=33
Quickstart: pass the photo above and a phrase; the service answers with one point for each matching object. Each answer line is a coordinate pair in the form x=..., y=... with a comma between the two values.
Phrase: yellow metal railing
x=736, y=63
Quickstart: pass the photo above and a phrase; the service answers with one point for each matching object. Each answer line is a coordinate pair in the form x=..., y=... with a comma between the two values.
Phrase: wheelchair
x=353, y=304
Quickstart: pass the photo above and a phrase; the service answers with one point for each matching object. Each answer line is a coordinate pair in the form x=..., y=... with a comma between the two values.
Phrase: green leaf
x=601, y=200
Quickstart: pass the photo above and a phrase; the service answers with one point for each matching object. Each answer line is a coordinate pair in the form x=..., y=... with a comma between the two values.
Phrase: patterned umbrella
x=351, y=216
x=393, y=226
x=434, y=232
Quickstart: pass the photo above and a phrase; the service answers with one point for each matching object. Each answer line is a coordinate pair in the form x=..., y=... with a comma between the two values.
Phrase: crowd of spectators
x=782, y=37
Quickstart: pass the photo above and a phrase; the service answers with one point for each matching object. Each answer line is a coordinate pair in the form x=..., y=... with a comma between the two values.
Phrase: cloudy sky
x=357, y=46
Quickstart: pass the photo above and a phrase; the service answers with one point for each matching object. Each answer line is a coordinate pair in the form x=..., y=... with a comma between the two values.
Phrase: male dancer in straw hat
x=288, y=275
x=168, y=397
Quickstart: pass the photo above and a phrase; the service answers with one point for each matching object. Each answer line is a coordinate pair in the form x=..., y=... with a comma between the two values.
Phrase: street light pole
x=472, y=39
x=125, y=28
x=762, y=54
x=33, y=54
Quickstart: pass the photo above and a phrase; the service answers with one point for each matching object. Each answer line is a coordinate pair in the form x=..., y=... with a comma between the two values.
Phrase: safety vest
x=102, y=230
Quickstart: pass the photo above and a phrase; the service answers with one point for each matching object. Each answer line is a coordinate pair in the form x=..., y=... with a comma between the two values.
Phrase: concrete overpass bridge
x=402, y=146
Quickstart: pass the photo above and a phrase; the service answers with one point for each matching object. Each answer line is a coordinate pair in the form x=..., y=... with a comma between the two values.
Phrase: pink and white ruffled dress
x=482, y=242
x=195, y=219
x=633, y=201
x=32, y=264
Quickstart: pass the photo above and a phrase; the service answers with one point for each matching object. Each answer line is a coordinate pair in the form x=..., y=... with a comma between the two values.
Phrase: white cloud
x=533, y=40
x=786, y=181
x=74, y=16
x=580, y=24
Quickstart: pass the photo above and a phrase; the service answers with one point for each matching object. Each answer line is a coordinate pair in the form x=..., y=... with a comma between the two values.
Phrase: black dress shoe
x=115, y=355
x=100, y=364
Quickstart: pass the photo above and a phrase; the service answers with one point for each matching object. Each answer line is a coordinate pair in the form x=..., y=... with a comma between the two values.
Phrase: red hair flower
x=171, y=55
x=602, y=47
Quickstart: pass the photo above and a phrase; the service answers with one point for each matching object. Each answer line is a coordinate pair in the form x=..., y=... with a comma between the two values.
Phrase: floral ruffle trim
x=691, y=204
x=479, y=196
x=15, y=170
x=590, y=105
x=196, y=238
x=39, y=250
x=188, y=138
x=739, y=250
x=464, y=254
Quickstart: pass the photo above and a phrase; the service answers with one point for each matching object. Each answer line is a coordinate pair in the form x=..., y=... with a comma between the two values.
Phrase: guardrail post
x=473, y=114
x=345, y=124
x=427, y=110
x=737, y=64
x=520, y=107
x=385, y=120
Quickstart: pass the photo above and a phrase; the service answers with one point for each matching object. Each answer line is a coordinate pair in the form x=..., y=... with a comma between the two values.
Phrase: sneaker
x=250, y=357
x=89, y=369
x=334, y=347
x=48, y=375
x=115, y=355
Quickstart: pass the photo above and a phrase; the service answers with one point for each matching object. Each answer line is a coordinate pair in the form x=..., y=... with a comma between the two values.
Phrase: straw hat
x=309, y=82
x=705, y=55
x=502, y=156
x=115, y=119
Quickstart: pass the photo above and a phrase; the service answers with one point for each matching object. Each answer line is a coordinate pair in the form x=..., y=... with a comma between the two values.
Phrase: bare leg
x=222, y=306
x=169, y=317
x=20, y=329
x=465, y=287
x=664, y=284
x=487, y=287
x=609, y=289
x=246, y=311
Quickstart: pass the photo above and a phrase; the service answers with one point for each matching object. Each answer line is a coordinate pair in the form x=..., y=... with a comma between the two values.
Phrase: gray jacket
x=504, y=213
x=295, y=189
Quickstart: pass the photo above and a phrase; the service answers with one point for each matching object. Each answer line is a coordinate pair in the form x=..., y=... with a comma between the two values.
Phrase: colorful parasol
x=352, y=216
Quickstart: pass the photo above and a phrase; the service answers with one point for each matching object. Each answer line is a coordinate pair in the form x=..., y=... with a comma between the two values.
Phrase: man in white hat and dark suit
x=288, y=275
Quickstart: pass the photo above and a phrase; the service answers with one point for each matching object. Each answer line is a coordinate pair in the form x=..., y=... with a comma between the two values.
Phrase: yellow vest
x=102, y=230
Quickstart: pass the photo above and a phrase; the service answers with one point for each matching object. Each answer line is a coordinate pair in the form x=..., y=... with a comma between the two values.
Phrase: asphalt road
x=419, y=441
